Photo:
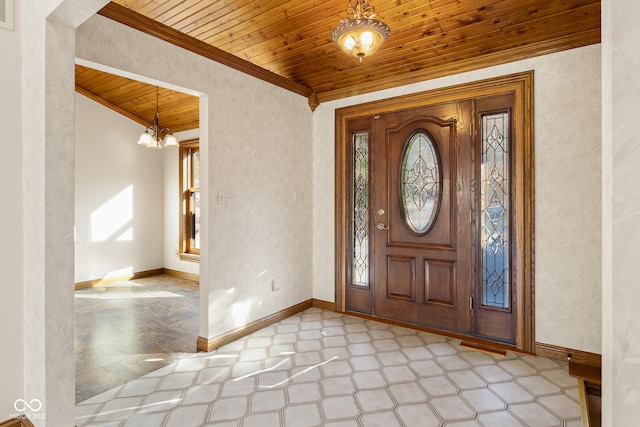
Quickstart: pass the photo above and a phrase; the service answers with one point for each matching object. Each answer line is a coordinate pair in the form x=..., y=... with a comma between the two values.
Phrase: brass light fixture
x=156, y=137
x=360, y=34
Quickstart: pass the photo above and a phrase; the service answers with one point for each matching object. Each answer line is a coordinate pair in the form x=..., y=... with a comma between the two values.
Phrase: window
x=420, y=182
x=190, y=200
x=495, y=188
x=360, y=195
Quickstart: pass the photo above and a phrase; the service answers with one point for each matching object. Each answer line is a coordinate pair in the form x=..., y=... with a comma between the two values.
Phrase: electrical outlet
x=275, y=285
x=298, y=197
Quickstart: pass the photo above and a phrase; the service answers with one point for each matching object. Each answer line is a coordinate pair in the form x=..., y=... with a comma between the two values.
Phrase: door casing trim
x=521, y=85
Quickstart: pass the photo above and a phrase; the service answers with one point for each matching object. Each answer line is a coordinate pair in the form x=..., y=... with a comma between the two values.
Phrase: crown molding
x=147, y=25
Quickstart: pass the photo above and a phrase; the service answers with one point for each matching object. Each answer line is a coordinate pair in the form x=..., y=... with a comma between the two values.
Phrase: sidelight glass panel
x=420, y=182
x=495, y=207
x=360, y=197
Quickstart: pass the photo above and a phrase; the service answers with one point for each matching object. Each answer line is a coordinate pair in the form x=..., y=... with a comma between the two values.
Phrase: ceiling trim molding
x=147, y=25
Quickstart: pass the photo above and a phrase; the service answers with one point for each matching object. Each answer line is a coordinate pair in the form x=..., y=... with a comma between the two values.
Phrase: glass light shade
x=360, y=37
x=146, y=139
x=154, y=144
x=171, y=141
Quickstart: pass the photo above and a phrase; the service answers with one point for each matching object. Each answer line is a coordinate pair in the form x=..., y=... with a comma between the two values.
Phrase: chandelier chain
x=360, y=9
x=154, y=136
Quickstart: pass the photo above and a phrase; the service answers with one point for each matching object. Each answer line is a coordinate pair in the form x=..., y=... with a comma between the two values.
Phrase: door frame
x=521, y=85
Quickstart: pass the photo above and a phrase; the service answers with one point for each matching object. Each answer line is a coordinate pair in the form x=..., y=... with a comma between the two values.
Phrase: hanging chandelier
x=156, y=137
x=360, y=34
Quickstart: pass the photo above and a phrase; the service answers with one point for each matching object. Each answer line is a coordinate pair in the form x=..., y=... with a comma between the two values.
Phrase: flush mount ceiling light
x=360, y=34
x=156, y=137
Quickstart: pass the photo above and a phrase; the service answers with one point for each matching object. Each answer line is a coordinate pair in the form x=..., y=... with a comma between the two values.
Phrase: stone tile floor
x=320, y=368
x=127, y=329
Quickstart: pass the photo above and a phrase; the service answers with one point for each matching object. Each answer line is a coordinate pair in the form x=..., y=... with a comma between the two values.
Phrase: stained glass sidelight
x=420, y=182
x=360, y=197
x=495, y=210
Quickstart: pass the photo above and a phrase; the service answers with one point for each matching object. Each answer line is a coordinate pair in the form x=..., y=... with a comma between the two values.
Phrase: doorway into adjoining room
x=137, y=283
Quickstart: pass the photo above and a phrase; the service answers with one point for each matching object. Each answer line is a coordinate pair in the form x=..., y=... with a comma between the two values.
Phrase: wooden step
x=589, y=373
x=590, y=392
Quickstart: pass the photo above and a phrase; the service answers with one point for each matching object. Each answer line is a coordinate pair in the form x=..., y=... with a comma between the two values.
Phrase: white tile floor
x=320, y=368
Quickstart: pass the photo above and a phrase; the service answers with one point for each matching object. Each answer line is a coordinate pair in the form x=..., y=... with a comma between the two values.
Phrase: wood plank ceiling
x=137, y=100
x=288, y=42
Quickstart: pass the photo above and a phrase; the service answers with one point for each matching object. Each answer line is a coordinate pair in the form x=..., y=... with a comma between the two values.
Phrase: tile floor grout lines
x=320, y=368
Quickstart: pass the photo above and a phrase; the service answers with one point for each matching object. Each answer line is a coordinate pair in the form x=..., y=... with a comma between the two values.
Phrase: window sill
x=189, y=257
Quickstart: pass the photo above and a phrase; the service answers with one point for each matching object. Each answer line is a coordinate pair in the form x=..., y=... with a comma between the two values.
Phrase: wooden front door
x=434, y=209
x=420, y=201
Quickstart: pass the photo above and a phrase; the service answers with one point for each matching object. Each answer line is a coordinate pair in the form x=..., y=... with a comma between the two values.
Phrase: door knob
x=381, y=226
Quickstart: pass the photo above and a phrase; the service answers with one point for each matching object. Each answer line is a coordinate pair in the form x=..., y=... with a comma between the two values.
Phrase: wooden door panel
x=358, y=293
x=496, y=325
x=441, y=235
x=417, y=275
x=440, y=283
x=496, y=319
x=401, y=278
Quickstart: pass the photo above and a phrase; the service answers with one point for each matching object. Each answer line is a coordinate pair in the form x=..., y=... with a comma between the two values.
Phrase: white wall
x=621, y=213
x=111, y=170
x=11, y=288
x=119, y=190
x=567, y=194
x=171, y=209
x=256, y=144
